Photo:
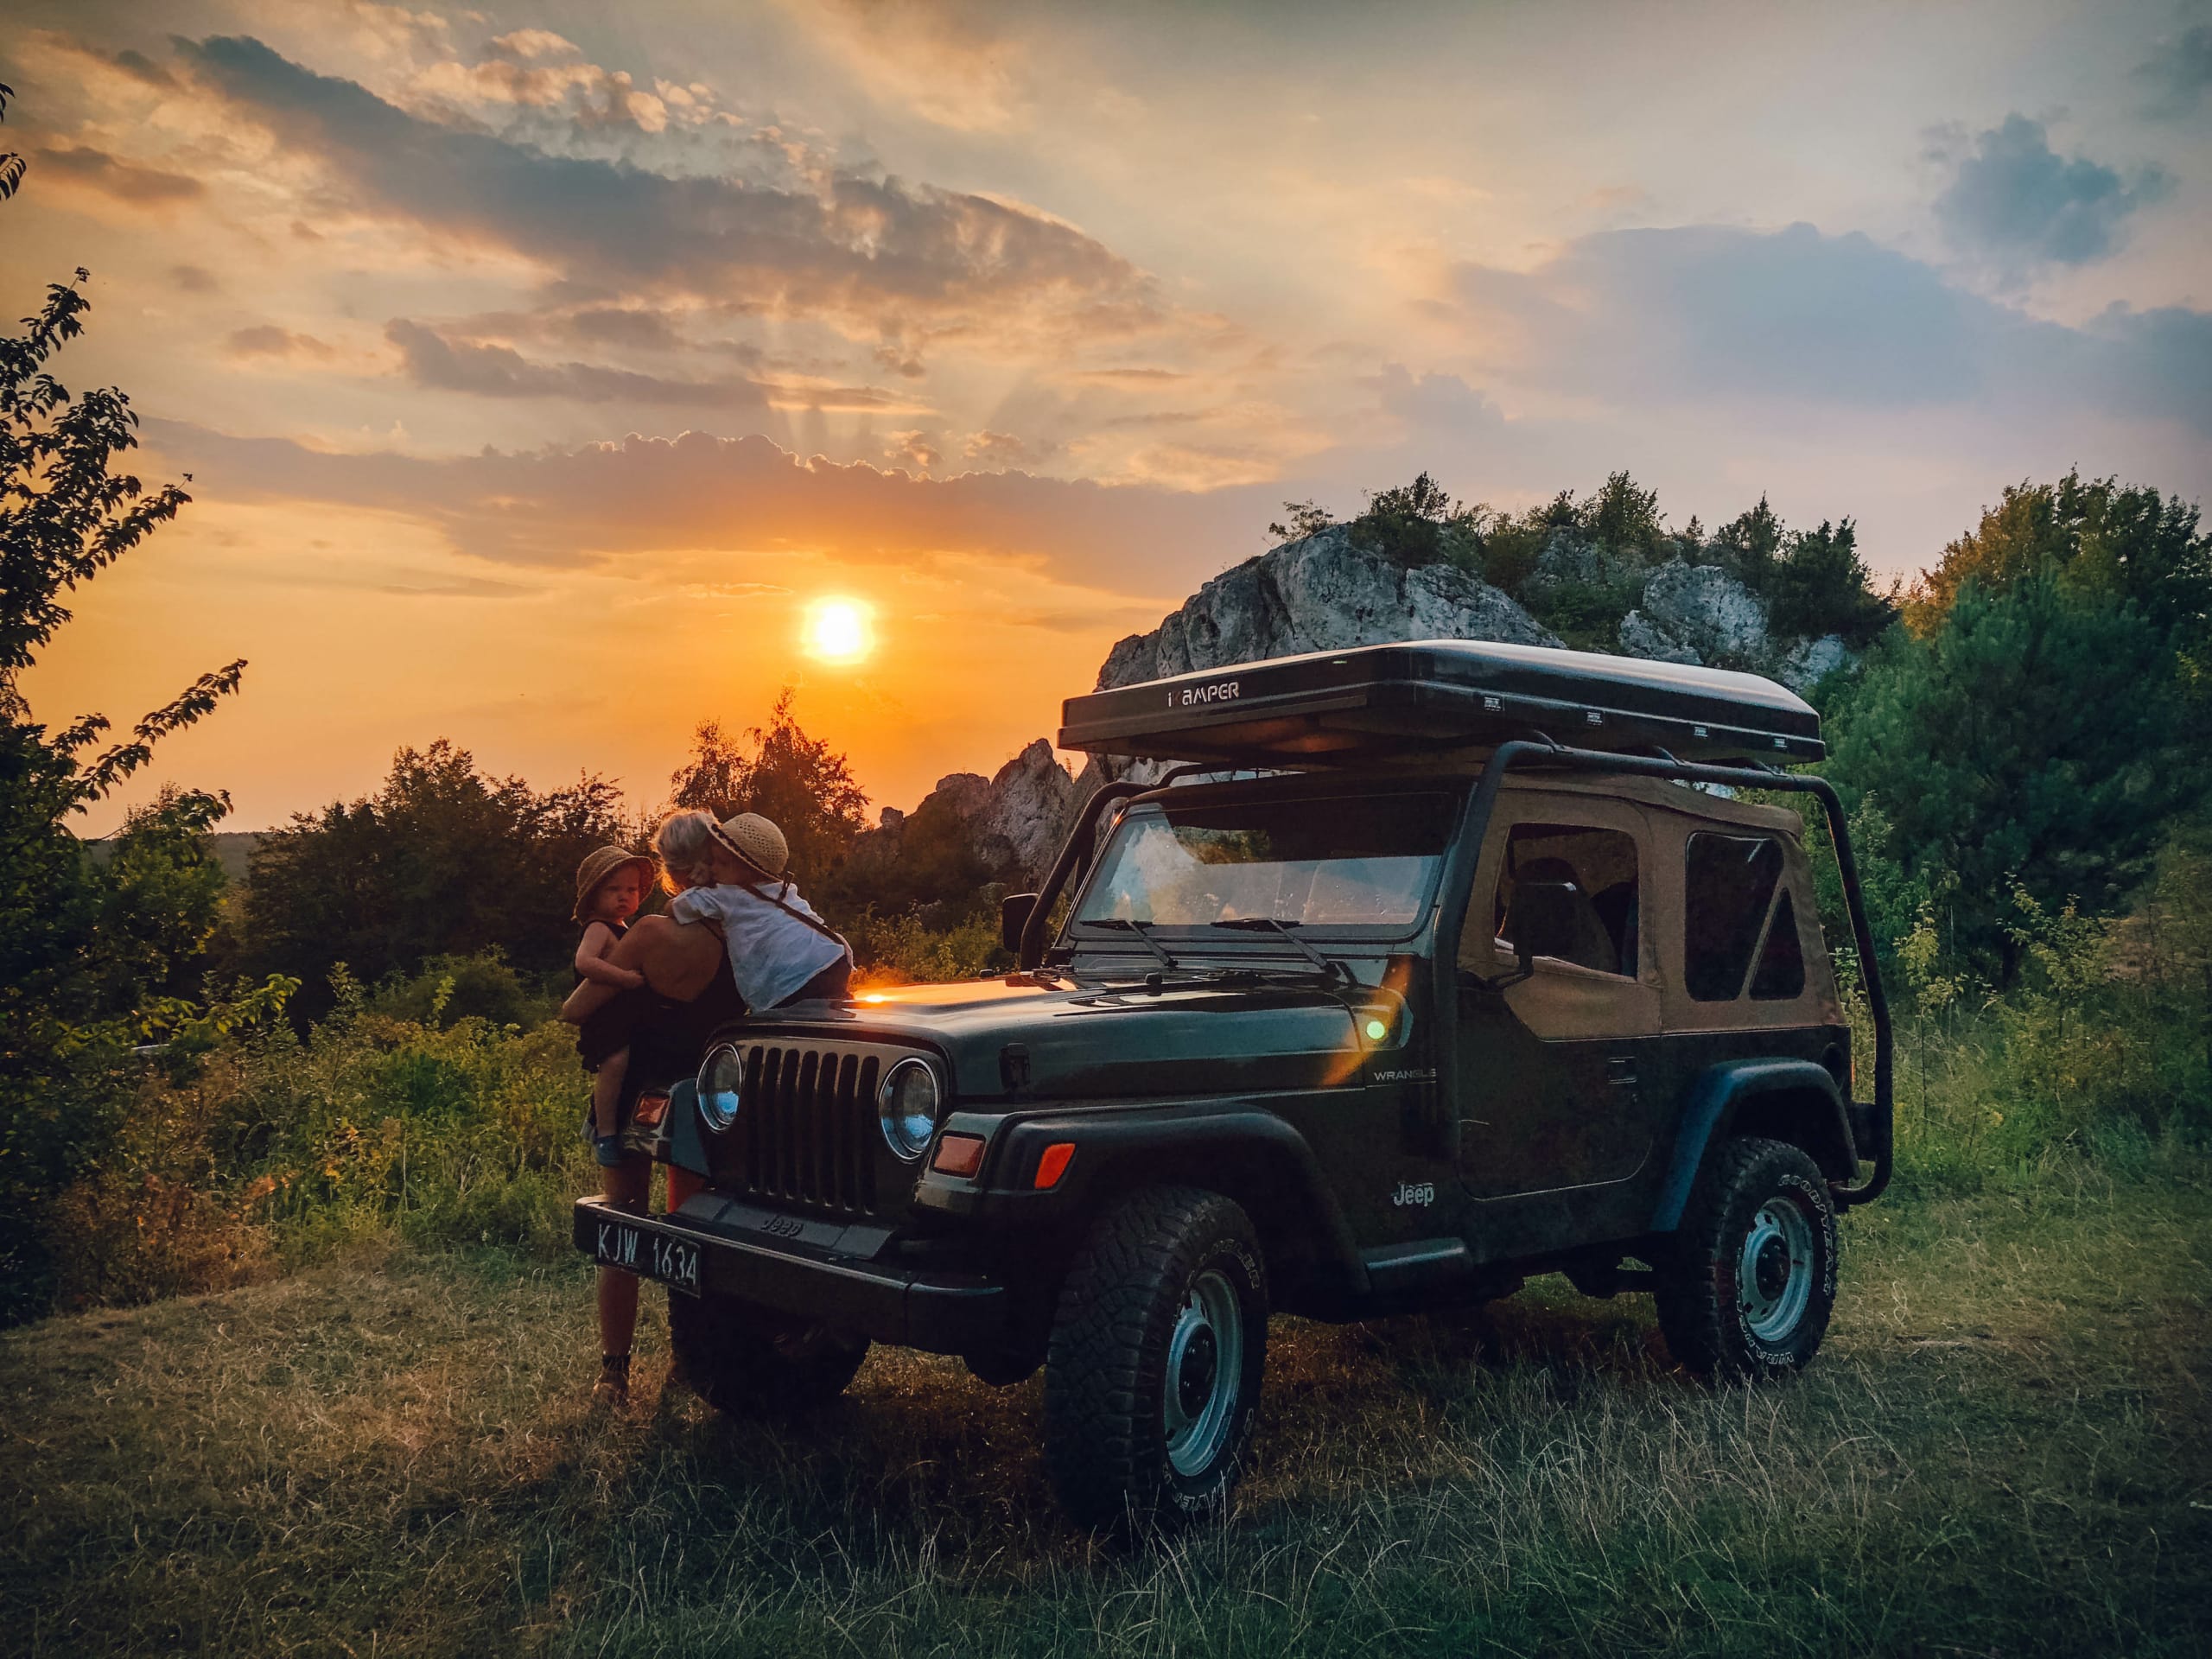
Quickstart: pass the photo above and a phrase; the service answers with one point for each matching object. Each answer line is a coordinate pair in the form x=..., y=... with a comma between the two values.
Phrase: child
x=610, y=885
x=780, y=951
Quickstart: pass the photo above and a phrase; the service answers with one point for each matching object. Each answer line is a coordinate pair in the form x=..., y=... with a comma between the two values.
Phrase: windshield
x=1364, y=862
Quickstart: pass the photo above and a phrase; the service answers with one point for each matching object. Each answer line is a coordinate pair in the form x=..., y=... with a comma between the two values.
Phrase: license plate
x=673, y=1261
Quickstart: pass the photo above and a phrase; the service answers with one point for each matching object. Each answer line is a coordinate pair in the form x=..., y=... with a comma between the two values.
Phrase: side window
x=1733, y=898
x=1599, y=866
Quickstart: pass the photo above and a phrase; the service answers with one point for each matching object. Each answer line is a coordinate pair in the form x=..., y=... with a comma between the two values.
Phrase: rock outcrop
x=1697, y=613
x=1005, y=828
x=1319, y=593
x=1324, y=592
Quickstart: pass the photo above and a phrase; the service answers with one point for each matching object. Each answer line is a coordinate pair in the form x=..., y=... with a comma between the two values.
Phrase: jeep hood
x=1119, y=1041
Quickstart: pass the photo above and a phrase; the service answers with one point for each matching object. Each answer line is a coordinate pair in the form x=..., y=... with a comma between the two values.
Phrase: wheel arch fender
x=1796, y=1100
x=1244, y=1152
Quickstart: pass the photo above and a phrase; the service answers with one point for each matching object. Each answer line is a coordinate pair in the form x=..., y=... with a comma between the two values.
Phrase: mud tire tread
x=1103, y=1445
x=1696, y=1287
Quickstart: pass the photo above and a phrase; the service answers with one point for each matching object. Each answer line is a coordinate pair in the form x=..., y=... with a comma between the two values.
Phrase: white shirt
x=771, y=952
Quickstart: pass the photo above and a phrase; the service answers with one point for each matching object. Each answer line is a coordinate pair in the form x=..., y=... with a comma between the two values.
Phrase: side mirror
x=1014, y=917
x=1544, y=918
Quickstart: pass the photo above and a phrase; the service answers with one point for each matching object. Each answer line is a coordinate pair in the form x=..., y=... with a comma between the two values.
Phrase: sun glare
x=838, y=631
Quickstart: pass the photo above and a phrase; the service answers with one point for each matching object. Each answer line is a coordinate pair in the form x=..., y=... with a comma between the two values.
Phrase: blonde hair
x=684, y=843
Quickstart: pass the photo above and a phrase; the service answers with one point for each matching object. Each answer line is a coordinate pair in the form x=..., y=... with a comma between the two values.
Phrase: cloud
x=878, y=256
x=925, y=55
x=989, y=448
x=913, y=450
x=194, y=279
x=125, y=182
x=2178, y=73
x=267, y=339
x=437, y=363
x=603, y=504
x=2015, y=203
x=1667, y=319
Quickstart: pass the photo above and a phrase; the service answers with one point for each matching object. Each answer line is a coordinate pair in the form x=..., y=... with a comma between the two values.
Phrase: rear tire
x=1157, y=1353
x=750, y=1361
x=1750, y=1279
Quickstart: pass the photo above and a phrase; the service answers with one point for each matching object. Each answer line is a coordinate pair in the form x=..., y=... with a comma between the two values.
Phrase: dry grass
x=2004, y=1449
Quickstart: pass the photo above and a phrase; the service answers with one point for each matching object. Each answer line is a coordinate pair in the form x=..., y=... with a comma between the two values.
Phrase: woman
x=694, y=996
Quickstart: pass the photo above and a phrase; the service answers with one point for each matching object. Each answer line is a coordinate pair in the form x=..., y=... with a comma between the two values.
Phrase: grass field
x=2005, y=1448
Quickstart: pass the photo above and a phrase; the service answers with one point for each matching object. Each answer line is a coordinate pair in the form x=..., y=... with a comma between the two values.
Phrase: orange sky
x=537, y=364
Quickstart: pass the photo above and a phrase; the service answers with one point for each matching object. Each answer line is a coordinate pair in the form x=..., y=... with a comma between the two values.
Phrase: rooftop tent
x=1377, y=701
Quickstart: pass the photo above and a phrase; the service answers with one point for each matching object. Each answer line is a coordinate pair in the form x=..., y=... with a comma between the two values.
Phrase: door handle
x=1621, y=1069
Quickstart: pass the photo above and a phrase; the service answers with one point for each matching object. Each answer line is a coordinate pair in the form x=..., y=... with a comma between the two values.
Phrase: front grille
x=808, y=1129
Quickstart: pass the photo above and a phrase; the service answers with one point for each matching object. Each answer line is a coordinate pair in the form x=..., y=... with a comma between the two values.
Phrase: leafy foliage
x=2105, y=541
x=442, y=860
x=2029, y=740
x=89, y=961
x=798, y=782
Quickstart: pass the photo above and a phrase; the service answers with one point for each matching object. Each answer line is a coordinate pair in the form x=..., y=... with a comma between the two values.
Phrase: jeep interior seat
x=1593, y=945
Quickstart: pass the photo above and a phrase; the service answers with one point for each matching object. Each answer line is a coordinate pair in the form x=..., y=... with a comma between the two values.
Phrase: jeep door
x=1550, y=1085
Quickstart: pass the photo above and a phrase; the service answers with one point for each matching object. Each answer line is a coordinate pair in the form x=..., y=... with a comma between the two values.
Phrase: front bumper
x=816, y=1276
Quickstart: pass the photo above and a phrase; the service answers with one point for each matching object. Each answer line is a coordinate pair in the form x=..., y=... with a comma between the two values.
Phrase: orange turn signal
x=1053, y=1164
x=958, y=1155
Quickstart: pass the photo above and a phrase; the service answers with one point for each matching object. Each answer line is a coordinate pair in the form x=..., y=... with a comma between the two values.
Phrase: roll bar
x=1545, y=752
x=1082, y=839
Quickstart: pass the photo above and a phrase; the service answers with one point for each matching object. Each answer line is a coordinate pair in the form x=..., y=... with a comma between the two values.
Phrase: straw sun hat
x=599, y=865
x=756, y=841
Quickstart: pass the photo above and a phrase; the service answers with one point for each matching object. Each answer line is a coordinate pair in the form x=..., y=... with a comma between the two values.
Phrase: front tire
x=1750, y=1278
x=749, y=1362
x=1157, y=1352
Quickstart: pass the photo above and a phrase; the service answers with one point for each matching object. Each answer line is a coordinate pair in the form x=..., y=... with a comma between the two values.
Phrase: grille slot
x=808, y=1127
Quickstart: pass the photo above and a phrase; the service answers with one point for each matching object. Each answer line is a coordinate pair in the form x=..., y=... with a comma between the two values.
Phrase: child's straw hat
x=756, y=841
x=601, y=863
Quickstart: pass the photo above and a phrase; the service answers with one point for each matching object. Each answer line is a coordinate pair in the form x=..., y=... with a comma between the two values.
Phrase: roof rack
x=1374, y=701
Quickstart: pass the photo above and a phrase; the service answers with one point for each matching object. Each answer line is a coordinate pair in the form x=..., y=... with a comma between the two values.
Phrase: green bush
x=271, y=1147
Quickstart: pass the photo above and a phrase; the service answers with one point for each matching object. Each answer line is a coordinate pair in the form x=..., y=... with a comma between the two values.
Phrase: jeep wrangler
x=1407, y=973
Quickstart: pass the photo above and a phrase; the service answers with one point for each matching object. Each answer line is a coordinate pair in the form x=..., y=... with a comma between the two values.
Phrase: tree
x=1621, y=517
x=1303, y=518
x=798, y=782
x=2031, y=737
x=76, y=960
x=2105, y=540
x=1752, y=540
x=443, y=860
x=1420, y=524
x=1820, y=586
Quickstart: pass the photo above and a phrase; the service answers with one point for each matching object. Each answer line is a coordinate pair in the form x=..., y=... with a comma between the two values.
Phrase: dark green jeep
x=1425, y=969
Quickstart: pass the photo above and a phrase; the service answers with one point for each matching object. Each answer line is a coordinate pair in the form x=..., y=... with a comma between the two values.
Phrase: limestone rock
x=1703, y=609
x=1030, y=801
x=1639, y=637
x=1318, y=593
x=1813, y=661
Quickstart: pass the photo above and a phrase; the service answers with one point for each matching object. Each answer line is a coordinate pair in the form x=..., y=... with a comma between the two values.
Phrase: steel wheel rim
x=1205, y=1372
x=1773, y=1270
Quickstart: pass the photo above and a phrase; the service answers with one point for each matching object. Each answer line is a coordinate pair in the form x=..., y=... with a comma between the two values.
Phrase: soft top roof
x=1372, y=701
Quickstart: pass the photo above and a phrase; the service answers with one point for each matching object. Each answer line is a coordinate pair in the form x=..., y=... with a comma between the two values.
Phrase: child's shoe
x=607, y=1151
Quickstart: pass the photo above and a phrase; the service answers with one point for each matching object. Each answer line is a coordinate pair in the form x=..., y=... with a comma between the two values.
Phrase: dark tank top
x=618, y=928
x=671, y=1037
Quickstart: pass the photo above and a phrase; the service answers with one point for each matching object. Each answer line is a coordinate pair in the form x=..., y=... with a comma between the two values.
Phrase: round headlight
x=907, y=1104
x=722, y=1088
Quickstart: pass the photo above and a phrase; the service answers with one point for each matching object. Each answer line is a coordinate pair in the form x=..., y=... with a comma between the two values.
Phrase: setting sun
x=838, y=631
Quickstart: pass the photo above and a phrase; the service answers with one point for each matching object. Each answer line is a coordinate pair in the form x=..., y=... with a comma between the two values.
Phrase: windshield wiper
x=1253, y=924
x=1143, y=937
